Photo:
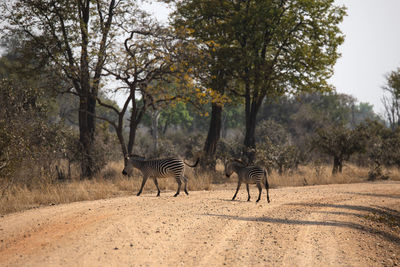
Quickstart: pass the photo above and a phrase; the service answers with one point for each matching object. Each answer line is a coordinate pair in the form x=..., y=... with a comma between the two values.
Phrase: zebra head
x=228, y=168
x=232, y=166
x=127, y=166
x=130, y=162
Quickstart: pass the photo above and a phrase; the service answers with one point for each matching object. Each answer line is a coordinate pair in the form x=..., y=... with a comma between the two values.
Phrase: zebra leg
x=156, y=183
x=178, y=180
x=267, y=187
x=248, y=192
x=185, y=180
x=237, y=190
x=141, y=187
x=259, y=191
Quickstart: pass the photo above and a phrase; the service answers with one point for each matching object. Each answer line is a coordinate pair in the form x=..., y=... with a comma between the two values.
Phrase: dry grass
x=19, y=197
x=322, y=174
x=110, y=183
x=313, y=175
x=393, y=173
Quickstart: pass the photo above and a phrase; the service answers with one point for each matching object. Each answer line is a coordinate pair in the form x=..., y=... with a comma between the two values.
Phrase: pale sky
x=370, y=51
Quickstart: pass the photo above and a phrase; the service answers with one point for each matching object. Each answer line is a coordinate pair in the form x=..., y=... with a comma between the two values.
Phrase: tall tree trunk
x=252, y=108
x=132, y=136
x=86, y=136
x=121, y=140
x=136, y=117
x=213, y=136
x=87, y=103
x=223, y=126
x=155, y=115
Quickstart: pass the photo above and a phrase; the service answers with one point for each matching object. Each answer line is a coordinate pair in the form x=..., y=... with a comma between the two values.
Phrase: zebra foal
x=158, y=168
x=248, y=175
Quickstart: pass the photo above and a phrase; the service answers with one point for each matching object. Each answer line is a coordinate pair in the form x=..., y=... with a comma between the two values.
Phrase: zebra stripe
x=158, y=168
x=248, y=175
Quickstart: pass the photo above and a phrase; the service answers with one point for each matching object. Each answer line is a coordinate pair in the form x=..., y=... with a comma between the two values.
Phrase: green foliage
x=274, y=148
x=382, y=148
x=25, y=135
x=188, y=118
x=272, y=130
x=170, y=144
x=261, y=39
x=340, y=143
x=304, y=114
x=228, y=149
x=176, y=114
x=75, y=37
x=258, y=49
x=233, y=116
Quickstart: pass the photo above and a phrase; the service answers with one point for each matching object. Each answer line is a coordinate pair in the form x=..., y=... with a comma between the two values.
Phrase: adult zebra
x=158, y=168
x=248, y=175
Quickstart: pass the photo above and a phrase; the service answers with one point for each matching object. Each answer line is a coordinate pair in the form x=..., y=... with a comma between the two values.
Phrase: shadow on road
x=383, y=215
x=374, y=195
x=388, y=216
x=232, y=201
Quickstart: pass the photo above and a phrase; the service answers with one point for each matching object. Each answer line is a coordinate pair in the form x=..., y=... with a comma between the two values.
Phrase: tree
x=382, y=147
x=340, y=143
x=291, y=50
x=24, y=80
x=213, y=68
x=303, y=114
x=269, y=47
x=391, y=101
x=75, y=35
x=149, y=66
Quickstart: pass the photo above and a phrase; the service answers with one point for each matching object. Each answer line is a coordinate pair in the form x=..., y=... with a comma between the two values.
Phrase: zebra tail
x=197, y=161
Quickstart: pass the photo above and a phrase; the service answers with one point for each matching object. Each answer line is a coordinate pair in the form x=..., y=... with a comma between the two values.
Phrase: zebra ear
x=239, y=161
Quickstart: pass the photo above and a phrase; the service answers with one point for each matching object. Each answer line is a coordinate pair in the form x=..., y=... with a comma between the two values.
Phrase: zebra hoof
x=176, y=195
x=187, y=193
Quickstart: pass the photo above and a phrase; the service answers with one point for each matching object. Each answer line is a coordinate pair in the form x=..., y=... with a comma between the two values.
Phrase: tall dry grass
x=319, y=175
x=322, y=174
x=110, y=183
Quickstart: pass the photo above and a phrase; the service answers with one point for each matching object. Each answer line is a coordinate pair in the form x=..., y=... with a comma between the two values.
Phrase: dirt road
x=352, y=224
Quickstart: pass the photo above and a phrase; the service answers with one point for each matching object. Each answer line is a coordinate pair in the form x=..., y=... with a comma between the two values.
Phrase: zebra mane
x=137, y=156
x=239, y=161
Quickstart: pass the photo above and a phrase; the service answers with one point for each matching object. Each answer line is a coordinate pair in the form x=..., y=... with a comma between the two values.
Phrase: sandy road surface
x=351, y=225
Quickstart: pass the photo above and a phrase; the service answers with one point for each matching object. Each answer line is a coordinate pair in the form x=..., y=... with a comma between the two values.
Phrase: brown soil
x=349, y=224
